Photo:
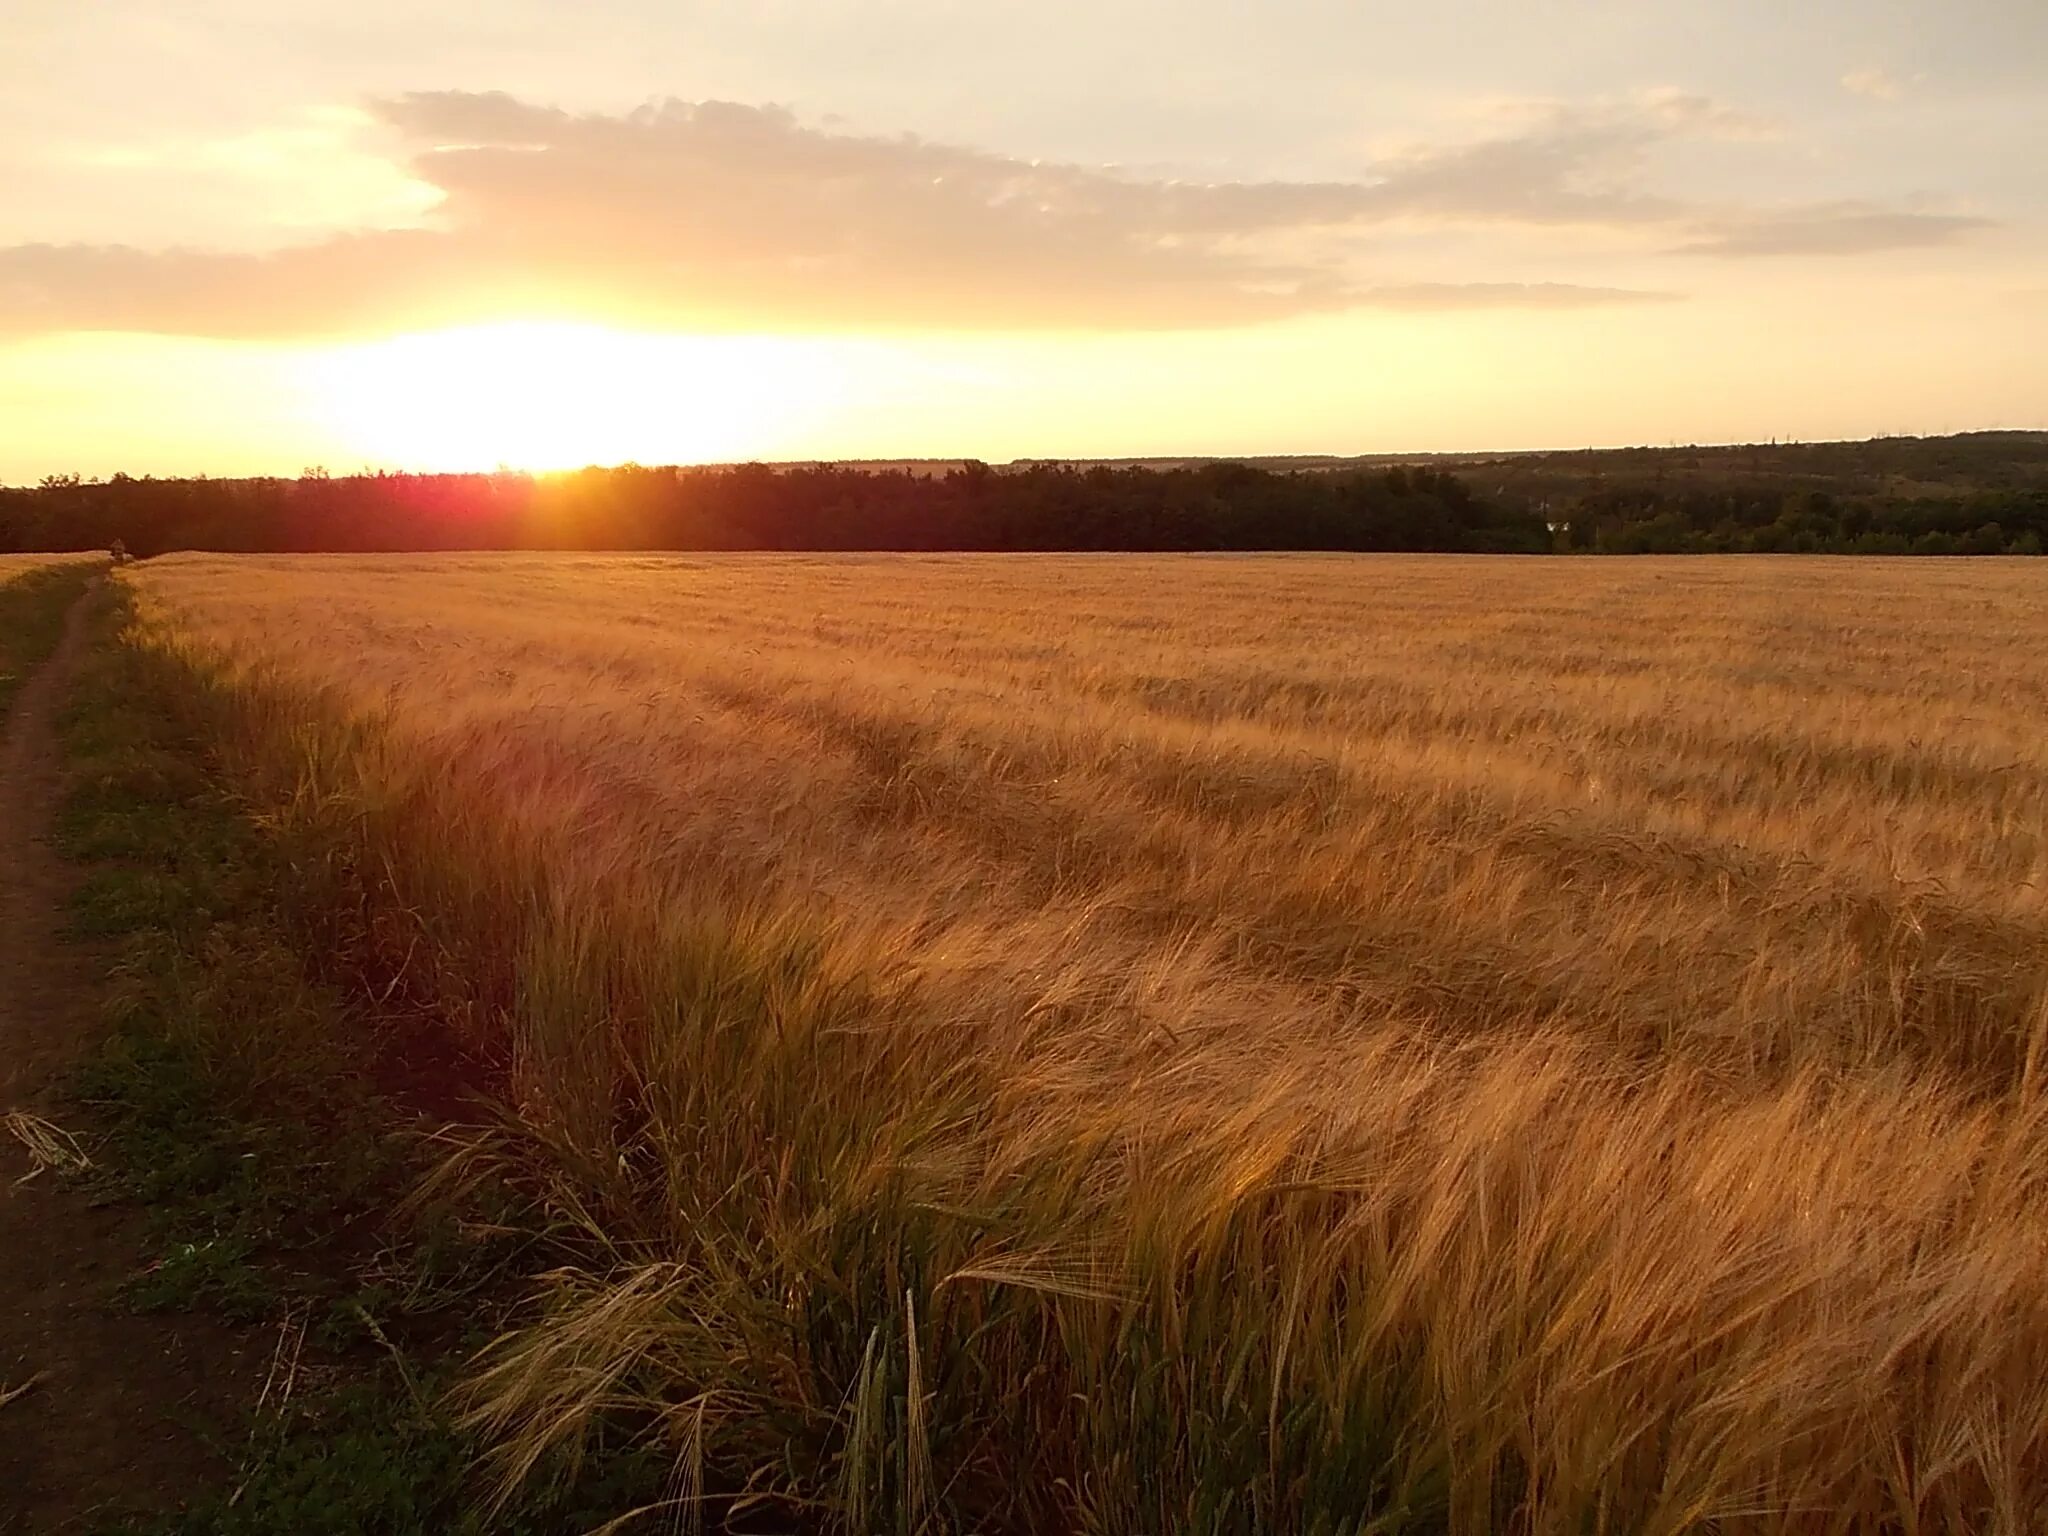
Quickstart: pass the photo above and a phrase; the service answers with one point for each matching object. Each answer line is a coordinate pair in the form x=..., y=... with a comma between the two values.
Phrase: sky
x=252, y=236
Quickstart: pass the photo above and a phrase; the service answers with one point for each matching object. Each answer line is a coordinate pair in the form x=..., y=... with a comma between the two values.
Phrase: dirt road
x=101, y=1430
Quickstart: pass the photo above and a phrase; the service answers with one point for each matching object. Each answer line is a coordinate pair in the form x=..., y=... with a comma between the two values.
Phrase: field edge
x=253, y=1110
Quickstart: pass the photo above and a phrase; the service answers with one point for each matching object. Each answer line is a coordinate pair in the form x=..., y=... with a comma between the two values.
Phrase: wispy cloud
x=1877, y=84
x=1586, y=164
x=719, y=214
x=713, y=213
x=1845, y=229
x=1426, y=296
x=1550, y=162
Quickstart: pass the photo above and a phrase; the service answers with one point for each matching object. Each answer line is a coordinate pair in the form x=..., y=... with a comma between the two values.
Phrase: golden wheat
x=12, y=566
x=1277, y=1043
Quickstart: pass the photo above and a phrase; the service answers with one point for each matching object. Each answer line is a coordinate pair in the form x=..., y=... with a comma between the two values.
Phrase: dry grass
x=49, y=1145
x=1288, y=1043
x=12, y=566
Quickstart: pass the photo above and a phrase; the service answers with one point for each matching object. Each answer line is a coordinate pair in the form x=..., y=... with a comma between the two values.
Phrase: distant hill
x=1955, y=465
x=1910, y=467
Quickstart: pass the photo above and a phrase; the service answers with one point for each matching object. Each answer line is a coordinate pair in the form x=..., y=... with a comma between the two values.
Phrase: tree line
x=1968, y=494
x=1764, y=520
x=1204, y=506
x=1216, y=506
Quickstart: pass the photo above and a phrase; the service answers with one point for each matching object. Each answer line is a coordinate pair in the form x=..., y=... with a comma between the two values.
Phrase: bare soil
x=107, y=1426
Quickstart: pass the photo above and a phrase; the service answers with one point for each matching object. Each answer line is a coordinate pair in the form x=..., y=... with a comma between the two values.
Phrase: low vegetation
x=14, y=566
x=1285, y=1044
x=35, y=592
x=250, y=1099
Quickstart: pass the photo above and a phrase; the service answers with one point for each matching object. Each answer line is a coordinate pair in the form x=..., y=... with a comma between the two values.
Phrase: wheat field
x=1282, y=1043
x=12, y=566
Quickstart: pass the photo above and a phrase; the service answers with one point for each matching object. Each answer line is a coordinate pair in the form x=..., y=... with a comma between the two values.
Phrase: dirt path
x=101, y=1431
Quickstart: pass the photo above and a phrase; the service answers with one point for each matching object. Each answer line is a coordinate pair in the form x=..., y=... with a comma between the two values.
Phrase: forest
x=1218, y=506
x=1980, y=494
x=1976, y=493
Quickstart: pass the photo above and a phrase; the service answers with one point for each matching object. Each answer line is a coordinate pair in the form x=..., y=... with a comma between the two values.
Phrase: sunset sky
x=246, y=236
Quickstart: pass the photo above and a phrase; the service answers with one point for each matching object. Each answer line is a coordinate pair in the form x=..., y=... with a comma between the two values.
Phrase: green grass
x=32, y=609
x=234, y=1100
x=376, y=1456
x=223, y=1084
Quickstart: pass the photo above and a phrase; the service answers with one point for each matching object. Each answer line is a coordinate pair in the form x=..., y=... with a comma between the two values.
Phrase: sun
x=556, y=395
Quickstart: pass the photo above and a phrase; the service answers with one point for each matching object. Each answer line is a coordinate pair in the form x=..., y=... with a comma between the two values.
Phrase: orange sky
x=903, y=228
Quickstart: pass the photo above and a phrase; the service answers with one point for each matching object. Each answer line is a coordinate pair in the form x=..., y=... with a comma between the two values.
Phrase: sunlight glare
x=554, y=395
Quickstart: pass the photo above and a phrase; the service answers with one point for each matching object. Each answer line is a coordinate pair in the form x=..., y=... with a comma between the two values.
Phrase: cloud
x=1877, y=84
x=1834, y=230
x=1567, y=174
x=1584, y=164
x=716, y=214
x=1562, y=163
x=1427, y=296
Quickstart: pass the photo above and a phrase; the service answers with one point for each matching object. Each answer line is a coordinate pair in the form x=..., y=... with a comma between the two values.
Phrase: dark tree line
x=1986, y=495
x=1217, y=506
x=1975, y=493
x=1767, y=521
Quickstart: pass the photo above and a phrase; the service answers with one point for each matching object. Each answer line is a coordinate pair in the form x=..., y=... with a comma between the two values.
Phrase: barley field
x=1272, y=1044
x=12, y=566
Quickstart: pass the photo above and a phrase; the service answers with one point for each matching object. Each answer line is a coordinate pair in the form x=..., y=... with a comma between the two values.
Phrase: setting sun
x=1088, y=766
x=551, y=395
